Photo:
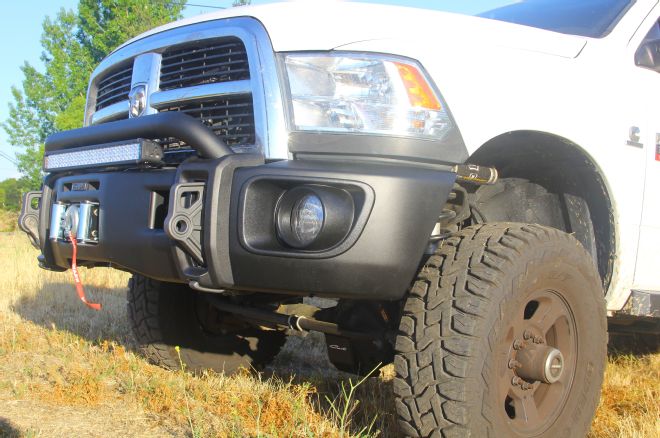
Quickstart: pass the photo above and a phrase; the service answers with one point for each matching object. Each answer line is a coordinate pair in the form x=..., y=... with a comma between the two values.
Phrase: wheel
x=504, y=333
x=166, y=315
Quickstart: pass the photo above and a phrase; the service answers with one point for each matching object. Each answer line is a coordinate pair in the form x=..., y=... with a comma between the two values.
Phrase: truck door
x=647, y=60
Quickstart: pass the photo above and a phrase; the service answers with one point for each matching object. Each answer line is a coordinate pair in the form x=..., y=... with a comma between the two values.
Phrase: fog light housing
x=314, y=217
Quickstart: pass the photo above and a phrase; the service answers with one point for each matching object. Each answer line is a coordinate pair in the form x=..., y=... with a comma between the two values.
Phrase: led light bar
x=132, y=152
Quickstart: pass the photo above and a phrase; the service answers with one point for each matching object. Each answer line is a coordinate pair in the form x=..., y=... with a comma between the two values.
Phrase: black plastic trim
x=246, y=211
x=217, y=176
x=383, y=260
x=162, y=125
x=451, y=150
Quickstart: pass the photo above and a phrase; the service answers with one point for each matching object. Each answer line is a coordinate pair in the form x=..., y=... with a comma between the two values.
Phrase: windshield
x=589, y=18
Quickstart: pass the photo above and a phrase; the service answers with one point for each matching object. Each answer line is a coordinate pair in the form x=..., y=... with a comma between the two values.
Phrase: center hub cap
x=540, y=363
x=554, y=366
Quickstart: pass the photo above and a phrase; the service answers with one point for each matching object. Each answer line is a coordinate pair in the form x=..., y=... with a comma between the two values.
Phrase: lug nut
x=518, y=344
x=527, y=334
x=526, y=385
x=515, y=381
x=538, y=340
x=514, y=364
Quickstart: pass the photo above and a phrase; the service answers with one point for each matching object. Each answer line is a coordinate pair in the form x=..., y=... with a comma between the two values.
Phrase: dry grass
x=8, y=221
x=68, y=371
x=630, y=402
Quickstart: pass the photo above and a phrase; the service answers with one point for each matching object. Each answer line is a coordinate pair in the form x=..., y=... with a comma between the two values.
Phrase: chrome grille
x=204, y=62
x=207, y=70
x=231, y=118
x=114, y=87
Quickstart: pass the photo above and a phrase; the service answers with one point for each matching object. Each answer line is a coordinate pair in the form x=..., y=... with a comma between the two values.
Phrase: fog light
x=300, y=217
x=307, y=219
x=314, y=218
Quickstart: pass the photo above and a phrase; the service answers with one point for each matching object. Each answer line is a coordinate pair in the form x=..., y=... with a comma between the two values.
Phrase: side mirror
x=648, y=55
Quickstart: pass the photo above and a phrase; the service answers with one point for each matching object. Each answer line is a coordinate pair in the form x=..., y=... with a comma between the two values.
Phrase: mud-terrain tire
x=165, y=315
x=462, y=336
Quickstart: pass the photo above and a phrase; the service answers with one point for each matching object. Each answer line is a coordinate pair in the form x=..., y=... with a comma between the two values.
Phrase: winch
x=80, y=220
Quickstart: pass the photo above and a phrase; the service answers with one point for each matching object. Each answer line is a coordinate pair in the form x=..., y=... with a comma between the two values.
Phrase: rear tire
x=166, y=315
x=491, y=297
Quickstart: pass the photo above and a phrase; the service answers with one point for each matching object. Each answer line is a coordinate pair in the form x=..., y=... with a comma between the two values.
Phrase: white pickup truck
x=476, y=188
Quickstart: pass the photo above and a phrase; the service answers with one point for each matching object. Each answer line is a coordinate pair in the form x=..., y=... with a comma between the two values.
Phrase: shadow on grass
x=57, y=305
x=303, y=360
x=7, y=430
x=632, y=344
x=633, y=337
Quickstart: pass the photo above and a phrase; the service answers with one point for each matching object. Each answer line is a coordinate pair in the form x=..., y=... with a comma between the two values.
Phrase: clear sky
x=20, y=33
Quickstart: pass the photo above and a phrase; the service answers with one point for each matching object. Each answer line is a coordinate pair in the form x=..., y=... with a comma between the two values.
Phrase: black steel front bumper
x=233, y=243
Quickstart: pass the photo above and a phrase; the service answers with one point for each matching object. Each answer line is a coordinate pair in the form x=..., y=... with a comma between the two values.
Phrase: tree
x=10, y=194
x=26, y=129
x=73, y=44
x=241, y=3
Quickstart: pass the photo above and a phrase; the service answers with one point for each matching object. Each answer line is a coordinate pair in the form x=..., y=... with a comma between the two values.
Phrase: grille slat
x=175, y=65
x=126, y=71
x=114, y=92
x=208, y=106
x=204, y=68
x=202, y=47
x=231, y=118
x=107, y=85
x=110, y=101
x=114, y=87
x=200, y=79
x=221, y=60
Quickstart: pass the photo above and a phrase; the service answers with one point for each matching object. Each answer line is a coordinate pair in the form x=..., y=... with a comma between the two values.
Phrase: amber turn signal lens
x=419, y=91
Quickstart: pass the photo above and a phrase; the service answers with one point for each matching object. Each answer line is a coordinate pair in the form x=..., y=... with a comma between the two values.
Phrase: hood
x=327, y=24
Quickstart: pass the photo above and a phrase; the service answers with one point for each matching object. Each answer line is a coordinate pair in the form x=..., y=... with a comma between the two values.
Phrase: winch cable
x=76, y=275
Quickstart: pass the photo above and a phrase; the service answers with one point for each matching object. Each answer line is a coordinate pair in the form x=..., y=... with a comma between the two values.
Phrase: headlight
x=359, y=93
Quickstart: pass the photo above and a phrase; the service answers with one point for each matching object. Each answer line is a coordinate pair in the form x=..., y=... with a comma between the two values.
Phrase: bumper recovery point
x=28, y=220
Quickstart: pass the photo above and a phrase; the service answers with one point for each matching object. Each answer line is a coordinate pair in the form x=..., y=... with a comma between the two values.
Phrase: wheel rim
x=537, y=363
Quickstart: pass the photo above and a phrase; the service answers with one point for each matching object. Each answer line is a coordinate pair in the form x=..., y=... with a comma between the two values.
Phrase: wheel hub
x=539, y=351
